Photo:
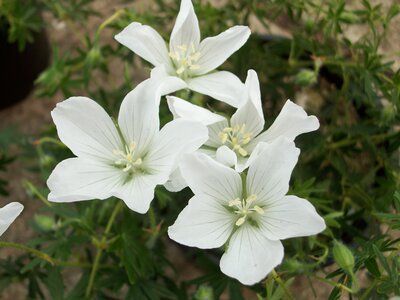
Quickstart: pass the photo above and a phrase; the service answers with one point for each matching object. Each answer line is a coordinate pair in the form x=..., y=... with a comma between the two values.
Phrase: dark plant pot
x=19, y=69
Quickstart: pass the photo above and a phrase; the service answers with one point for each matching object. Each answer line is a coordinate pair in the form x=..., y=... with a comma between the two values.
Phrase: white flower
x=187, y=57
x=248, y=215
x=8, y=214
x=127, y=160
x=234, y=142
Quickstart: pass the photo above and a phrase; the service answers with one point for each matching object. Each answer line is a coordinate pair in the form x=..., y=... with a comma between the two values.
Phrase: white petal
x=138, y=115
x=269, y=174
x=215, y=50
x=186, y=29
x=175, y=139
x=203, y=223
x=290, y=217
x=77, y=179
x=252, y=89
x=223, y=86
x=250, y=255
x=243, y=162
x=166, y=83
x=85, y=128
x=291, y=122
x=184, y=109
x=8, y=214
x=214, y=130
x=175, y=182
x=145, y=42
x=138, y=192
x=206, y=176
x=226, y=156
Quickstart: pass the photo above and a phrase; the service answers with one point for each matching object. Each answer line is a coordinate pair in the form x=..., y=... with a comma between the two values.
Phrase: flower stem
x=282, y=284
x=100, y=248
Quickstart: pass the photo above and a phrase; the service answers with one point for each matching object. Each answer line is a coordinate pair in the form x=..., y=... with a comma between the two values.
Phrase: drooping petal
x=138, y=115
x=269, y=174
x=223, y=86
x=291, y=122
x=175, y=182
x=184, y=109
x=77, y=179
x=215, y=50
x=175, y=139
x=86, y=129
x=145, y=42
x=250, y=255
x=186, y=30
x=8, y=214
x=203, y=223
x=167, y=84
x=206, y=176
x=290, y=217
x=138, y=192
x=226, y=156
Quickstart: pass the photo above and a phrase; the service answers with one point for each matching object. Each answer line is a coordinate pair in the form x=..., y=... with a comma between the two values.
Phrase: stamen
x=246, y=209
x=236, y=137
x=185, y=58
x=126, y=159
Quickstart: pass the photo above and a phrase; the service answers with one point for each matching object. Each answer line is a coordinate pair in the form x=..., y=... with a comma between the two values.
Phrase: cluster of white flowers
x=239, y=175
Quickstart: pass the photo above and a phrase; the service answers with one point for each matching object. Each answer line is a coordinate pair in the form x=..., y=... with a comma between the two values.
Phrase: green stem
x=334, y=283
x=43, y=255
x=36, y=192
x=282, y=284
x=100, y=248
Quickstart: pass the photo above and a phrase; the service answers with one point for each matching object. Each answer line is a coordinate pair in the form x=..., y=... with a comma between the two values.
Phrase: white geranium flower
x=248, y=215
x=187, y=57
x=233, y=142
x=127, y=160
x=8, y=214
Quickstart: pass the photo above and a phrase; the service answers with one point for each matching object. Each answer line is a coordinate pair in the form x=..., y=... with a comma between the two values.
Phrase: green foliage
x=349, y=169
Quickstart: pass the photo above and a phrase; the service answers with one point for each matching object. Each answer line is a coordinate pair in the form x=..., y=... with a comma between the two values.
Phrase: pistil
x=126, y=159
x=185, y=59
x=236, y=137
x=244, y=208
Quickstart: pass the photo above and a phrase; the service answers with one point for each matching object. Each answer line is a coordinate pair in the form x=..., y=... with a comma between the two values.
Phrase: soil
x=32, y=116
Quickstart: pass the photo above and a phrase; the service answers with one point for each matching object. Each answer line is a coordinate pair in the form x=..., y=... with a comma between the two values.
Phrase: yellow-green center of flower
x=126, y=159
x=244, y=208
x=185, y=58
x=235, y=138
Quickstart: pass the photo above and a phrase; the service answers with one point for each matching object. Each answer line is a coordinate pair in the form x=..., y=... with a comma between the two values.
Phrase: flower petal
x=77, y=179
x=291, y=122
x=203, y=223
x=215, y=50
x=186, y=30
x=85, y=128
x=269, y=174
x=282, y=219
x=145, y=42
x=175, y=139
x=184, y=109
x=138, y=115
x=8, y=214
x=167, y=83
x=138, y=192
x=175, y=182
x=250, y=255
x=223, y=86
x=226, y=156
x=207, y=177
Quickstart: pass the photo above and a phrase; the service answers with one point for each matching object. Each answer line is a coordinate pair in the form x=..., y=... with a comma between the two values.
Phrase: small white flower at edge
x=248, y=216
x=235, y=142
x=126, y=161
x=187, y=58
x=8, y=214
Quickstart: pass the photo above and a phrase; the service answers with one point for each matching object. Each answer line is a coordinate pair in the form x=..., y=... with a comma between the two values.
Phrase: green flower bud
x=343, y=257
x=306, y=77
x=204, y=293
x=45, y=223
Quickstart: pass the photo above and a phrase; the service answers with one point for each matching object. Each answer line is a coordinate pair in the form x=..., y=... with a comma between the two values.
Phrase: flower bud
x=306, y=77
x=44, y=222
x=204, y=293
x=343, y=257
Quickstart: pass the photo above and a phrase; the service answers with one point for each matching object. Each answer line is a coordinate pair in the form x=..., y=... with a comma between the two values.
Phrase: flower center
x=185, y=58
x=236, y=137
x=244, y=208
x=126, y=159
